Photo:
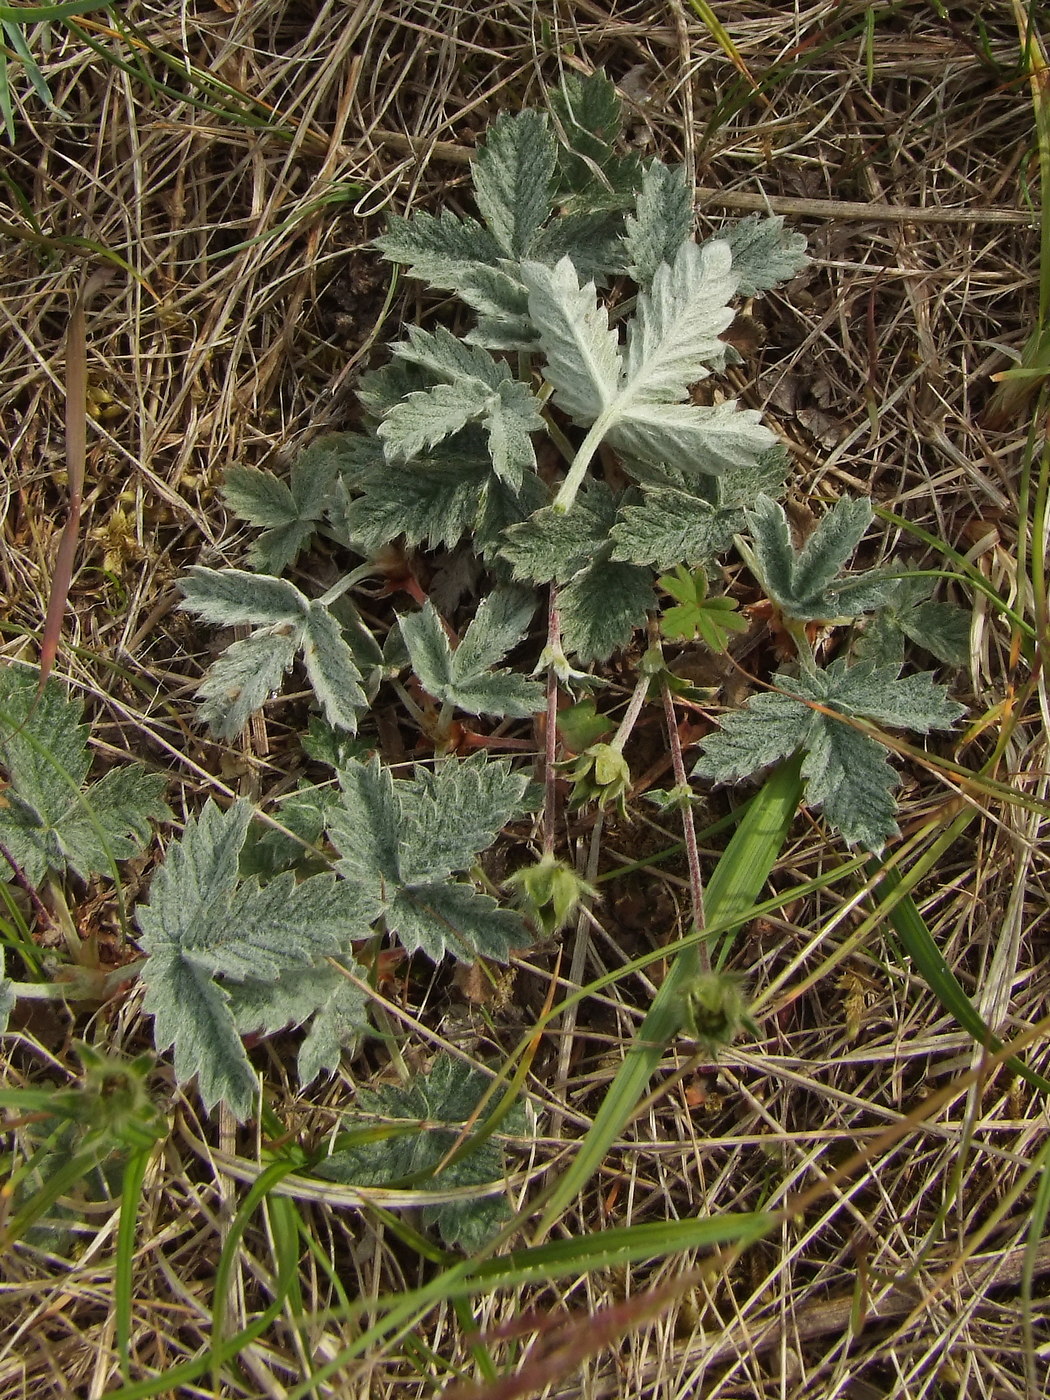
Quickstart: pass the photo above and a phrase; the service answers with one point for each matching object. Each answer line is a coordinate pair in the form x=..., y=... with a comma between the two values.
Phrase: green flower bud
x=549, y=892
x=715, y=1010
x=600, y=774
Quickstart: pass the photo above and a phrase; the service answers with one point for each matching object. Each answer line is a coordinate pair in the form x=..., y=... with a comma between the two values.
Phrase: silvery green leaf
x=583, y=357
x=500, y=507
x=389, y=831
x=332, y=669
x=499, y=624
x=432, y=500
x=504, y=332
x=499, y=297
x=110, y=820
x=378, y=390
x=447, y=357
x=366, y=827
x=848, y=778
x=454, y=918
x=244, y=677
x=591, y=239
x=439, y=250
x=202, y=922
x=830, y=545
x=847, y=772
x=766, y=476
x=465, y=681
x=588, y=114
x=43, y=744
x=676, y=328
x=512, y=417
x=196, y=883
x=455, y=810
x=879, y=693
x=513, y=176
x=601, y=607
x=804, y=584
x=51, y=820
x=263, y=1008
x=555, y=544
x=662, y=221
x=768, y=728
x=288, y=513
x=191, y=1015
x=428, y=417
x=338, y=1023
x=304, y=813
x=673, y=527
x=691, y=438
x=229, y=597
x=336, y=1008
x=441, y=1102
x=763, y=254
x=942, y=629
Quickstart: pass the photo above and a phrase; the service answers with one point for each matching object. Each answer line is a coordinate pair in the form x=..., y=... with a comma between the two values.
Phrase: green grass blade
x=1036, y=1230
x=260, y=1189
x=919, y=944
x=123, y=1271
x=729, y=898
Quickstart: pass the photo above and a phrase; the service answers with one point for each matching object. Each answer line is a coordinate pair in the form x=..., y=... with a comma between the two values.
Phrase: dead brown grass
x=249, y=302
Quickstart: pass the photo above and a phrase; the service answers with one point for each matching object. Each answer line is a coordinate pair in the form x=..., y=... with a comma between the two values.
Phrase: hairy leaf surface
x=252, y=670
x=50, y=818
x=513, y=179
x=205, y=928
x=847, y=772
x=805, y=584
x=400, y=838
x=662, y=221
x=764, y=255
x=441, y=1101
x=464, y=677
x=288, y=513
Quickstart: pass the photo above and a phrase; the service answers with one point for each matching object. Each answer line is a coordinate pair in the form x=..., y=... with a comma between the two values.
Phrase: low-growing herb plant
x=575, y=446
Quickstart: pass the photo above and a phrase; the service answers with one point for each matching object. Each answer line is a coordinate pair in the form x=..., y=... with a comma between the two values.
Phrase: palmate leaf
x=400, y=839
x=846, y=772
x=806, y=584
x=909, y=612
x=251, y=670
x=637, y=399
x=478, y=389
x=287, y=512
x=203, y=926
x=464, y=677
x=442, y=1101
x=697, y=614
x=50, y=818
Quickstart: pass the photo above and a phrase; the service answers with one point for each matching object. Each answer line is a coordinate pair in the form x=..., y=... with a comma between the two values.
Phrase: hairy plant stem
x=634, y=709
x=550, y=747
x=587, y=448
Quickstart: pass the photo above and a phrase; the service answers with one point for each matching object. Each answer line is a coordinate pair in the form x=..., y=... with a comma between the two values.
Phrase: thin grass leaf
x=734, y=886
x=922, y=949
